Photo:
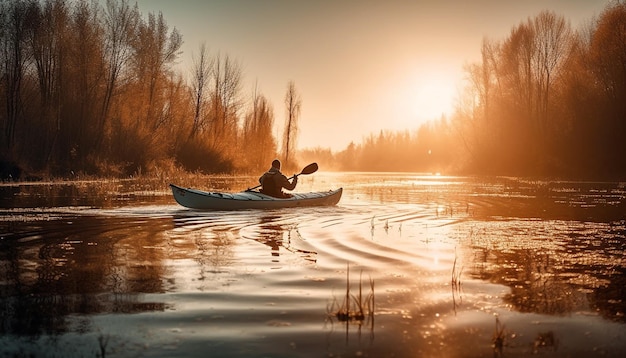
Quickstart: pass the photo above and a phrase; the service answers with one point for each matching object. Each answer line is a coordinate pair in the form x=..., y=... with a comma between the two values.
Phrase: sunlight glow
x=432, y=98
x=430, y=95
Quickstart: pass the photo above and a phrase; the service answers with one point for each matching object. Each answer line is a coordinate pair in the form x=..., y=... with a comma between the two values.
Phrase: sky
x=359, y=66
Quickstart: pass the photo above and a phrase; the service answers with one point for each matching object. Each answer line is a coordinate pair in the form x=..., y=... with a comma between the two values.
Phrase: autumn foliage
x=92, y=87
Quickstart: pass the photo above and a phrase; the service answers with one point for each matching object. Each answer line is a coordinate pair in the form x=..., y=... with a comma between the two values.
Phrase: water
x=452, y=266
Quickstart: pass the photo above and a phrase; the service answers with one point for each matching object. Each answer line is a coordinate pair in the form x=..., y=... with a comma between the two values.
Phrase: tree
x=515, y=120
x=140, y=132
x=14, y=22
x=120, y=23
x=155, y=51
x=201, y=72
x=258, y=143
x=90, y=86
x=608, y=60
x=553, y=41
x=293, y=106
x=225, y=103
x=597, y=97
x=47, y=47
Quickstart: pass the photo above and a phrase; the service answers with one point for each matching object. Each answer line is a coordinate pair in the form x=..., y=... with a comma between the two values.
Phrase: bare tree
x=201, y=72
x=156, y=49
x=13, y=24
x=607, y=55
x=46, y=40
x=516, y=55
x=293, y=106
x=513, y=90
x=120, y=22
x=553, y=41
x=258, y=142
x=225, y=102
x=608, y=58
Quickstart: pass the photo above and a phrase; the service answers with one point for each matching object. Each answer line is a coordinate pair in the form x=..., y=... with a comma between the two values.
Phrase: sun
x=432, y=100
x=430, y=96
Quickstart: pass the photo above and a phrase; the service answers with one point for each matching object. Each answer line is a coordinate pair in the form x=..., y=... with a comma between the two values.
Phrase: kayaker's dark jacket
x=273, y=181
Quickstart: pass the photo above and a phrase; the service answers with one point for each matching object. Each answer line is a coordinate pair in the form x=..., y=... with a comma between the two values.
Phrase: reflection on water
x=554, y=267
x=76, y=265
x=118, y=267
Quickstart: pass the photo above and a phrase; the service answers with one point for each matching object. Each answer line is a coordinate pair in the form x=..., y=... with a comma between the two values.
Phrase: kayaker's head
x=276, y=164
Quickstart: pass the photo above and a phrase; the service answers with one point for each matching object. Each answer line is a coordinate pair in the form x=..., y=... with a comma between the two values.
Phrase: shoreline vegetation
x=91, y=90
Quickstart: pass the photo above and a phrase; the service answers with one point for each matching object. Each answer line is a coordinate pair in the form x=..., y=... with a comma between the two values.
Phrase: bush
x=195, y=155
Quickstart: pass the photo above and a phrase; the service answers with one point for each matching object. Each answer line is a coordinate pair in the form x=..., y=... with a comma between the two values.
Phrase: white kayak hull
x=203, y=200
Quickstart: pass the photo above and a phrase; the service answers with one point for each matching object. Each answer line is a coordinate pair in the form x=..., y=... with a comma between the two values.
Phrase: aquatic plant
x=498, y=338
x=455, y=282
x=354, y=308
x=456, y=275
x=103, y=341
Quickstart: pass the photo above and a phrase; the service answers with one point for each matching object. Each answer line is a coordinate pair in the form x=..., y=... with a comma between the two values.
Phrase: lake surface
x=435, y=266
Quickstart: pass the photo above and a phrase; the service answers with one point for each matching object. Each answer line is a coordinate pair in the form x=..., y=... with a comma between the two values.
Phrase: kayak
x=203, y=200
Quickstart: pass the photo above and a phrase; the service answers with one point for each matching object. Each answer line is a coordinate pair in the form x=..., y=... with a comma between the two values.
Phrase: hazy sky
x=360, y=66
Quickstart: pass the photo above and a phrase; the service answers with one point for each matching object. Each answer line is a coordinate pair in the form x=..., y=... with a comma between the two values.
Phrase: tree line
x=546, y=101
x=92, y=87
x=549, y=100
x=429, y=149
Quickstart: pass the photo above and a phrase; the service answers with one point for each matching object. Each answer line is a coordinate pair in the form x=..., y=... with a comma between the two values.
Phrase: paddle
x=309, y=169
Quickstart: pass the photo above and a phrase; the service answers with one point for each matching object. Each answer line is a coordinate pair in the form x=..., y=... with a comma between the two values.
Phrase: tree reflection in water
x=54, y=269
x=557, y=276
x=555, y=255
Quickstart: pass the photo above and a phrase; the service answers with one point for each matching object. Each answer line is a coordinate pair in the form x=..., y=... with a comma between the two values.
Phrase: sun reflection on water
x=447, y=256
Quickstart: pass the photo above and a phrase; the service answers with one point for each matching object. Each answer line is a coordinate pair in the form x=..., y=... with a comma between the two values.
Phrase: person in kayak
x=273, y=182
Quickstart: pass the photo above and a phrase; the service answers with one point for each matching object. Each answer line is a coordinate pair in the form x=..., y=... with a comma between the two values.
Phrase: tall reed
x=354, y=307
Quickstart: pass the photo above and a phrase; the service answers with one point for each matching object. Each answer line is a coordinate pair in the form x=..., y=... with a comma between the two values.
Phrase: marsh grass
x=103, y=341
x=456, y=273
x=355, y=308
x=455, y=282
x=498, y=338
x=101, y=192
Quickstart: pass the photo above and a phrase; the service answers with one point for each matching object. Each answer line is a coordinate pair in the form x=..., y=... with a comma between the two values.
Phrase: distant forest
x=92, y=89
x=547, y=101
